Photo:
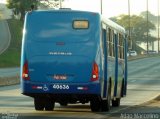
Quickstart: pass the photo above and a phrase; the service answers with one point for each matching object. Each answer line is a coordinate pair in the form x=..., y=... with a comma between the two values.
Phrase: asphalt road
x=4, y=36
x=143, y=85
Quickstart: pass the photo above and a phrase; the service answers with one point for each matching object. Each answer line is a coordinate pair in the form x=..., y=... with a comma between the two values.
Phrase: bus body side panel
x=107, y=63
x=116, y=65
x=117, y=68
x=120, y=78
x=104, y=61
x=111, y=73
x=126, y=67
x=60, y=58
x=119, y=71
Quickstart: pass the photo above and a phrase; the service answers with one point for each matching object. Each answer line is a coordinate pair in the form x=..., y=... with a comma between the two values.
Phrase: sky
x=2, y=1
x=114, y=7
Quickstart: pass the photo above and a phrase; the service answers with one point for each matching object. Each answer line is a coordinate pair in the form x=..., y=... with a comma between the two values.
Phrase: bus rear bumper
x=31, y=88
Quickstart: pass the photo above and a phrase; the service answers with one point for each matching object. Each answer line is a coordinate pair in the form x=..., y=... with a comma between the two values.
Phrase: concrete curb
x=6, y=81
x=157, y=98
x=142, y=57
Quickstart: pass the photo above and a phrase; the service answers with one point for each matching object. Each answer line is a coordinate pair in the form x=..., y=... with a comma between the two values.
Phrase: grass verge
x=11, y=57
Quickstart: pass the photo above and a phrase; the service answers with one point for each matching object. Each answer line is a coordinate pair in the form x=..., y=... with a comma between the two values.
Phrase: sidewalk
x=9, y=76
x=148, y=110
x=9, y=72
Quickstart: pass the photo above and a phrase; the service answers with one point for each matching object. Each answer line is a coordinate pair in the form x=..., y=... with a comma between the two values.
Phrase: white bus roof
x=113, y=25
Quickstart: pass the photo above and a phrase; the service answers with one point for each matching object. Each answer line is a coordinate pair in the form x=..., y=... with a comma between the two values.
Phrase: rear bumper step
x=30, y=88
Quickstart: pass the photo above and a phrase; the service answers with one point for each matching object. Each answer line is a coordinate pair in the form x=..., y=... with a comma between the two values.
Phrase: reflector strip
x=82, y=88
x=37, y=87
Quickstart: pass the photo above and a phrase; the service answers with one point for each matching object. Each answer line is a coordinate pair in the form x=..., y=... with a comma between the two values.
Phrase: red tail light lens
x=25, y=74
x=95, y=72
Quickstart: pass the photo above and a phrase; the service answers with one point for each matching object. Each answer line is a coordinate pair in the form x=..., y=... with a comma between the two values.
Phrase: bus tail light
x=95, y=72
x=25, y=74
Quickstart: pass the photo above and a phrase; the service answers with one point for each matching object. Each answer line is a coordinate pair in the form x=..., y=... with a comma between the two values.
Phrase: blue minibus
x=71, y=56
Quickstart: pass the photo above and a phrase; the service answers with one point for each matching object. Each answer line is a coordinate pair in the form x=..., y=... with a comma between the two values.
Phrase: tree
x=21, y=6
x=51, y=4
x=151, y=17
x=138, y=28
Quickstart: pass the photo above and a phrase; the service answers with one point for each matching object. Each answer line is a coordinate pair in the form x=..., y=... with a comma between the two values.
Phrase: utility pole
x=101, y=7
x=147, y=28
x=158, y=26
x=129, y=19
x=60, y=3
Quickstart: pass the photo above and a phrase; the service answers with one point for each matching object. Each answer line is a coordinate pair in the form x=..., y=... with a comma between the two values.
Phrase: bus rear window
x=80, y=24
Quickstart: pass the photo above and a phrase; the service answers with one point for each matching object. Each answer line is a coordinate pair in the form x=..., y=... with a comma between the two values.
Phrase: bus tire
x=95, y=104
x=39, y=104
x=49, y=104
x=122, y=88
x=116, y=103
x=106, y=104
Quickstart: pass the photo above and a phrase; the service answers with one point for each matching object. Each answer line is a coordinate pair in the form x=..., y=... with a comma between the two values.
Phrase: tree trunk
x=22, y=15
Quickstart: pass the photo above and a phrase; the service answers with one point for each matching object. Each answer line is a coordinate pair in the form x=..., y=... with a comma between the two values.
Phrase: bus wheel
x=39, y=104
x=95, y=104
x=106, y=104
x=49, y=104
x=116, y=103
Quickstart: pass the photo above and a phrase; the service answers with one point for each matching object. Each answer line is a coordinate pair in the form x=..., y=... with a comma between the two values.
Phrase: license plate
x=60, y=77
x=60, y=87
